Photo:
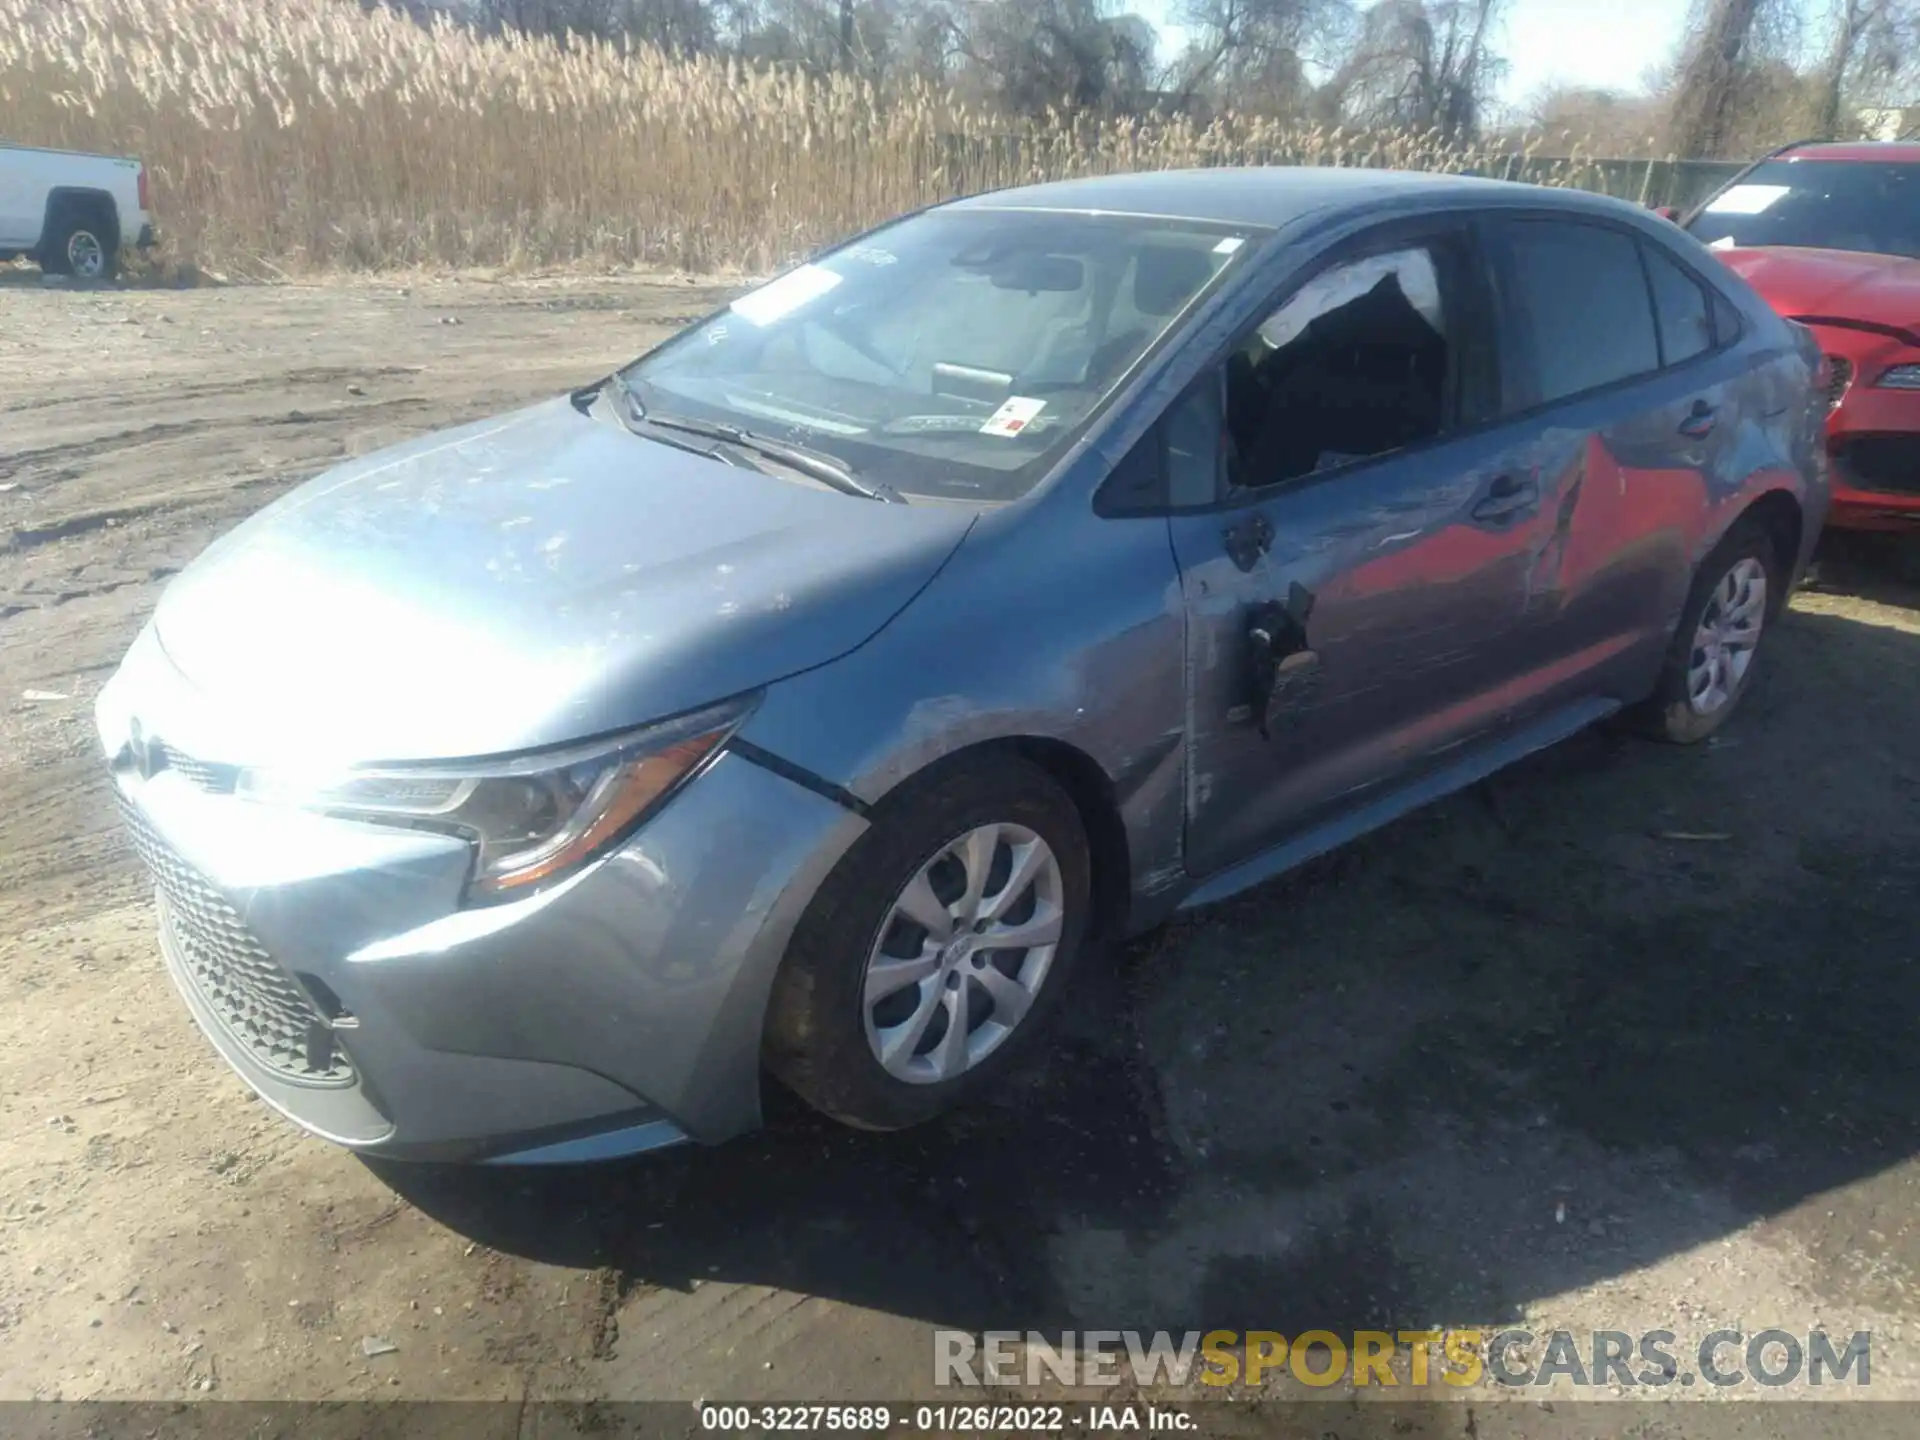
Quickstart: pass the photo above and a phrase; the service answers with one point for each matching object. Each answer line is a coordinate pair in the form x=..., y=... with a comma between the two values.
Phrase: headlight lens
x=532, y=818
x=1900, y=377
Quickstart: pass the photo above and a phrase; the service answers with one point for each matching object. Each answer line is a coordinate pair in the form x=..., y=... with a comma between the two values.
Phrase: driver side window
x=1360, y=361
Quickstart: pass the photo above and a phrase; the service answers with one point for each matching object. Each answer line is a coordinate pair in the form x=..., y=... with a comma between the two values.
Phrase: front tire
x=1711, y=663
x=938, y=949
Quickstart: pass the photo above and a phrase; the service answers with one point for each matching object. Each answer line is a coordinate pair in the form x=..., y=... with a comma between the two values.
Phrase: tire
x=823, y=1038
x=1677, y=711
x=81, y=247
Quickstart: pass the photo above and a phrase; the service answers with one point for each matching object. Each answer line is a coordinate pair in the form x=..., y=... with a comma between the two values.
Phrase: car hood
x=528, y=580
x=1832, y=284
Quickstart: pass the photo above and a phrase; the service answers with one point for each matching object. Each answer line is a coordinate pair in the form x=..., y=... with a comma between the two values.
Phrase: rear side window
x=1680, y=304
x=1726, y=320
x=1578, y=311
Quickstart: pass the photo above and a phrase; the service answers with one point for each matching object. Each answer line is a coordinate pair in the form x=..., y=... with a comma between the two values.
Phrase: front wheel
x=938, y=948
x=1711, y=663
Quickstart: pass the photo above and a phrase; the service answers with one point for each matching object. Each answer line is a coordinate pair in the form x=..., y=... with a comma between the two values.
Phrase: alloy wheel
x=1725, y=639
x=86, y=256
x=963, y=952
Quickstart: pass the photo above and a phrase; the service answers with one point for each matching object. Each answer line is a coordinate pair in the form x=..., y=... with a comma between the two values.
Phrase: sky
x=1603, y=43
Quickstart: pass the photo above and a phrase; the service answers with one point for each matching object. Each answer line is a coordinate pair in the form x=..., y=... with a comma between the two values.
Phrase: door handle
x=1699, y=422
x=1506, y=497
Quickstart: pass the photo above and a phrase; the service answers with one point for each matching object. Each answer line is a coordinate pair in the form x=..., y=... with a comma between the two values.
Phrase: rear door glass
x=1579, y=310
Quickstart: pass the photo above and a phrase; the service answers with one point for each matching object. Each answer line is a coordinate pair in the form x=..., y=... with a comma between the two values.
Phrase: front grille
x=257, y=1002
x=1889, y=464
x=1839, y=376
x=214, y=779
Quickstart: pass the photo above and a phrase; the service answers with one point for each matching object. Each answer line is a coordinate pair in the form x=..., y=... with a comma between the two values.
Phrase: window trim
x=1724, y=304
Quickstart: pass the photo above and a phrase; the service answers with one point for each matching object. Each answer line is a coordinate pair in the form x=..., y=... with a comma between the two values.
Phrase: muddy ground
x=1529, y=1057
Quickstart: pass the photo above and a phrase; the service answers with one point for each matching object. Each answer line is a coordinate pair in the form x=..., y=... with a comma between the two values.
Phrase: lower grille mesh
x=1887, y=464
x=214, y=779
x=255, y=999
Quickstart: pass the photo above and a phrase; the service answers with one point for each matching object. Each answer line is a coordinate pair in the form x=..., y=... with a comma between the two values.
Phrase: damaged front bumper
x=332, y=963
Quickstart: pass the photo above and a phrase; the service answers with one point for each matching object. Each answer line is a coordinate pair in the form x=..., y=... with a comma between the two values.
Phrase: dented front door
x=1367, y=617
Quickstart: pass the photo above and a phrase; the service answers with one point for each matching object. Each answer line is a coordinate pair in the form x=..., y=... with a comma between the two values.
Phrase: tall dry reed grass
x=298, y=135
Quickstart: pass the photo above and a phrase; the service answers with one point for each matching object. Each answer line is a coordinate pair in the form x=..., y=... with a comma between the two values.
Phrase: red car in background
x=1829, y=234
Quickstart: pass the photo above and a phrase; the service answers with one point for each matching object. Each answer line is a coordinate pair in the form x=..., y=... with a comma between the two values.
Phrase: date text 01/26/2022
x=942, y=1419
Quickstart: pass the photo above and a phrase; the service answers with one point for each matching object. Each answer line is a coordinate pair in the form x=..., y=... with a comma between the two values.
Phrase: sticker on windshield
x=1748, y=199
x=1229, y=245
x=1013, y=416
x=782, y=297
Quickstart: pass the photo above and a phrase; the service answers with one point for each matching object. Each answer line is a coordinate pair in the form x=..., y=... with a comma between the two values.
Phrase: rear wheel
x=1736, y=592
x=936, y=952
x=82, y=247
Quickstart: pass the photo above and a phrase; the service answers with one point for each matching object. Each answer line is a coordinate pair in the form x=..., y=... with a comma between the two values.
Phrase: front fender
x=1063, y=626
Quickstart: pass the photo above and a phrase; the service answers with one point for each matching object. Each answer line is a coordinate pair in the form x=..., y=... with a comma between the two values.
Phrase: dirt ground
x=1624, y=1039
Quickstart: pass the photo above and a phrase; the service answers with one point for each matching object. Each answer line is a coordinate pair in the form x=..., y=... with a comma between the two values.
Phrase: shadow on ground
x=155, y=275
x=1619, y=1002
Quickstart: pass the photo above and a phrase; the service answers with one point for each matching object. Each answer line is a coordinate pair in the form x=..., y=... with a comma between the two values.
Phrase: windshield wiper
x=633, y=417
x=813, y=463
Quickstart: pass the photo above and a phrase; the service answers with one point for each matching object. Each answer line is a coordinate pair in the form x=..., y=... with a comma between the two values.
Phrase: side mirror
x=1667, y=212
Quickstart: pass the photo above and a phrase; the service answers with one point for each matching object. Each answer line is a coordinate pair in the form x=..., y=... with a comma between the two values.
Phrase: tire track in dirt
x=175, y=391
x=180, y=1235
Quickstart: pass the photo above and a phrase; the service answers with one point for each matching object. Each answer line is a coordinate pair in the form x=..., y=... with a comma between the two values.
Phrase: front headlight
x=1900, y=377
x=531, y=818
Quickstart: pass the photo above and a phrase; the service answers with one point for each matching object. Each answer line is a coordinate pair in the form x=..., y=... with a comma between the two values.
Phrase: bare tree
x=1608, y=122
x=1423, y=63
x=1872, y=58
x=1072, y=54
x=1707, y=87
x=1852, y=20
x=1253, y=54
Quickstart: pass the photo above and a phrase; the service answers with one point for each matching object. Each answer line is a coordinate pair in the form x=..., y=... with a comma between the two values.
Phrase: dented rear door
x=1614, y=357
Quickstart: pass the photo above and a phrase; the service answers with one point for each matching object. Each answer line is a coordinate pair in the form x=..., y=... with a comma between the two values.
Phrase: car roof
x=1896, y=152
x=1269, y=196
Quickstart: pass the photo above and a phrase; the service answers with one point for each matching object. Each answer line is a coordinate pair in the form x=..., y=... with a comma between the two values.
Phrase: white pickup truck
x=71, y=213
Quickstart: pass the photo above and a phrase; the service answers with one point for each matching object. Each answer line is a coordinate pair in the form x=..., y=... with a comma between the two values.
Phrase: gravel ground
x=1526, y=1058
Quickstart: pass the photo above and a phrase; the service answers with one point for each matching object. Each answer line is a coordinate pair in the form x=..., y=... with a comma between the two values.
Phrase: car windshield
x=954, y=354
x=1830, y=204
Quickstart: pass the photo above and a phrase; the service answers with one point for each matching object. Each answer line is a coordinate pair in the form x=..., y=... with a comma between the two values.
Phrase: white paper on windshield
x=778, y=298
x=1229, y=245
x=1748, y=199
x=1013, y=416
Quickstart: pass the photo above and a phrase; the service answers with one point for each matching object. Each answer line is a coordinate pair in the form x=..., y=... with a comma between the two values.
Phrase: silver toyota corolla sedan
x=815, y=693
